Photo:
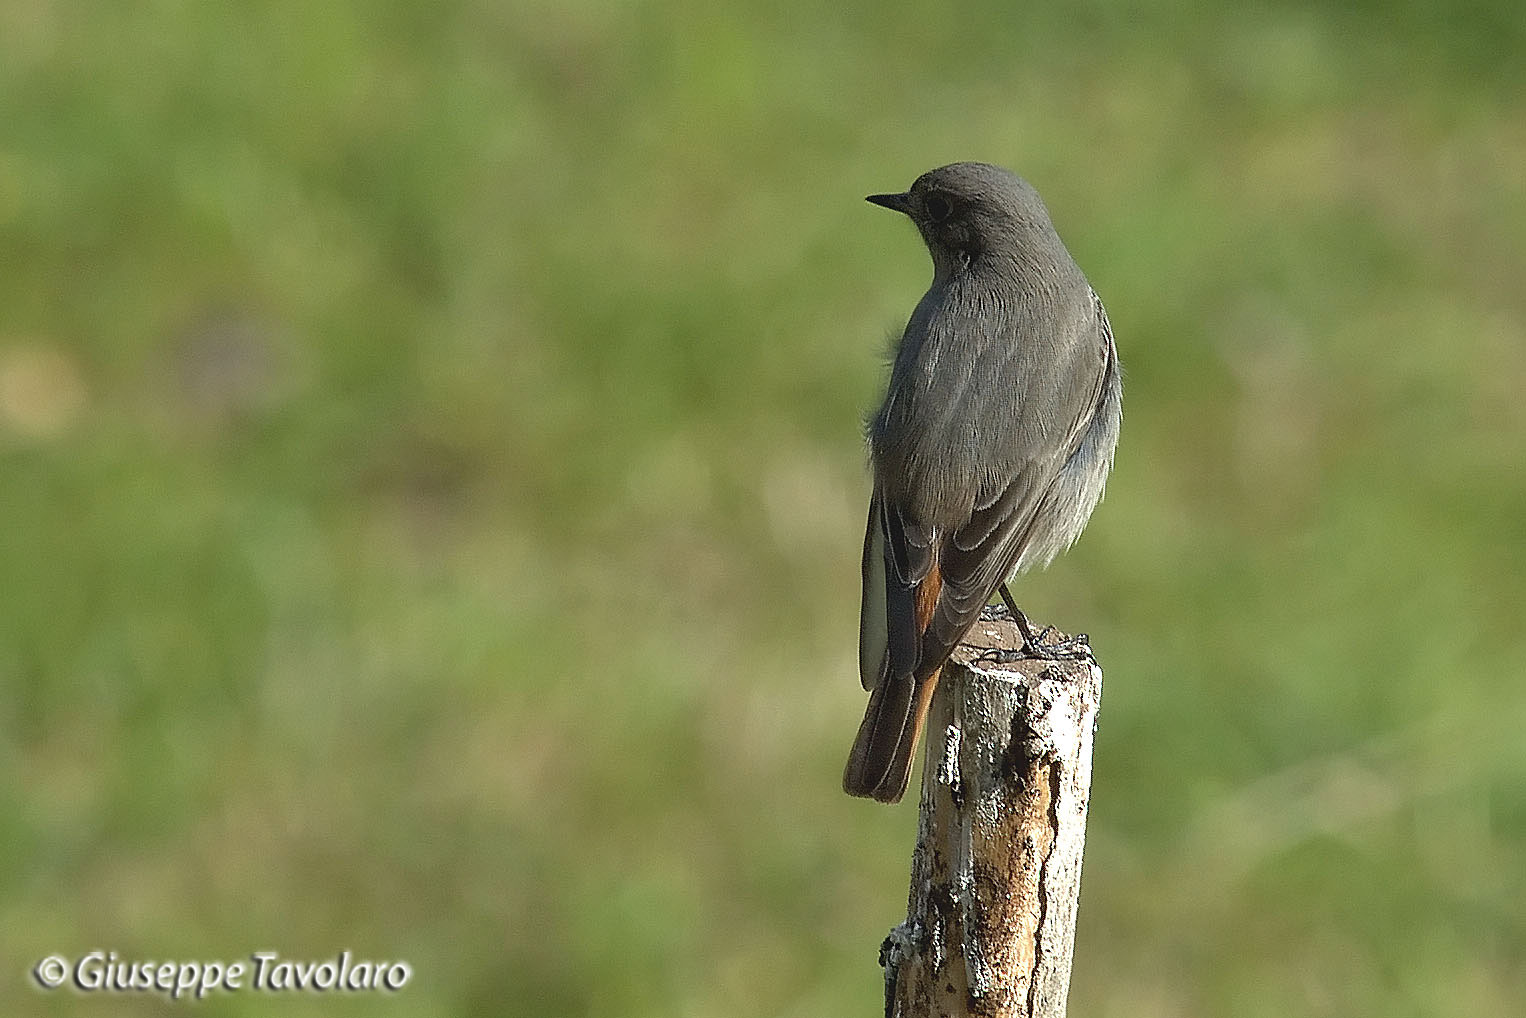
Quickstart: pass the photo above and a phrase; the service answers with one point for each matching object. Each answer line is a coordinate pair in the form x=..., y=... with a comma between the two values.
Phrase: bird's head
x=968, y=210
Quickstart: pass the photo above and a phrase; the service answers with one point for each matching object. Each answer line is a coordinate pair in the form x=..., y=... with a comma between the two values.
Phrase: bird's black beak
x=895, y=202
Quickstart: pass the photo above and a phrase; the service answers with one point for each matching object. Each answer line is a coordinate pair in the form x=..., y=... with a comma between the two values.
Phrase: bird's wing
x=975, y=559
x=978, y=556
x=899, y=556
x=901, y=587
x=873, y=627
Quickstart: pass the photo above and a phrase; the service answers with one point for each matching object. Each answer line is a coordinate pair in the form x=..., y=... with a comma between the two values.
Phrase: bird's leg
x=1023, y=625
x=1034, y=647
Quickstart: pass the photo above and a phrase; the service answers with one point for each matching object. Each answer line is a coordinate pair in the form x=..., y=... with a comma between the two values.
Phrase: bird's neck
x=1012, y=270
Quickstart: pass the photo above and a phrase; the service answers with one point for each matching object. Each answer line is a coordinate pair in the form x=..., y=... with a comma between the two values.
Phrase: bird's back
x=988, y=383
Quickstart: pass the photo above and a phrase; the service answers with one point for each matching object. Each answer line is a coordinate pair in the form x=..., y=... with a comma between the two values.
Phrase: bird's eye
x=937, y=207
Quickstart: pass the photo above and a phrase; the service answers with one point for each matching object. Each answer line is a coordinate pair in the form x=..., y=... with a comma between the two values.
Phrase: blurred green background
x=433, y=485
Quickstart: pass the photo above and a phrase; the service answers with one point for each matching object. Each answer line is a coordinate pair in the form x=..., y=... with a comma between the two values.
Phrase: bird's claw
x=1000, y=655
x=1074, y=648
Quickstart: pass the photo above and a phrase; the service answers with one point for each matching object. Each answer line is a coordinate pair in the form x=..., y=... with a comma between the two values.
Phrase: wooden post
x=991, y=920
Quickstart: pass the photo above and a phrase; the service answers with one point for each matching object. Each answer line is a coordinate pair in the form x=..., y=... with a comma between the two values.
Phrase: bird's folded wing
x=976, y=559
x=899, y=554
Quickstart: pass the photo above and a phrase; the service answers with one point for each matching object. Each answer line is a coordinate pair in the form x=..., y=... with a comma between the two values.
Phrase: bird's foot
x=1073, y=648
x=1000, y=656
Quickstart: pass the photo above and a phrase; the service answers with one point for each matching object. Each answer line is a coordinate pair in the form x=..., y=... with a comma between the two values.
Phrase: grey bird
x=990, y=451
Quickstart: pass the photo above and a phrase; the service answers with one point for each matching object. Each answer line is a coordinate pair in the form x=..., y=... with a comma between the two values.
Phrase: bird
x=989, y=453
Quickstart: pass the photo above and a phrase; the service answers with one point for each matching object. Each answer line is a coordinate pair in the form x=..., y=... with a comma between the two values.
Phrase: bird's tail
x=879, y=765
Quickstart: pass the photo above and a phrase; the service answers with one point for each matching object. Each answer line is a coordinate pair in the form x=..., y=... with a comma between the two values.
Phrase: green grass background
x=432, y=489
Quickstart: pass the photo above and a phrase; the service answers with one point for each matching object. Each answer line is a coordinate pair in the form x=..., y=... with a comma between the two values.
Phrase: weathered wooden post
x=996, y=875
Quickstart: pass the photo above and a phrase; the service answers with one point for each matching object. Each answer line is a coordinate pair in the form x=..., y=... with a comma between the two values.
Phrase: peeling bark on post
x=996, y=874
